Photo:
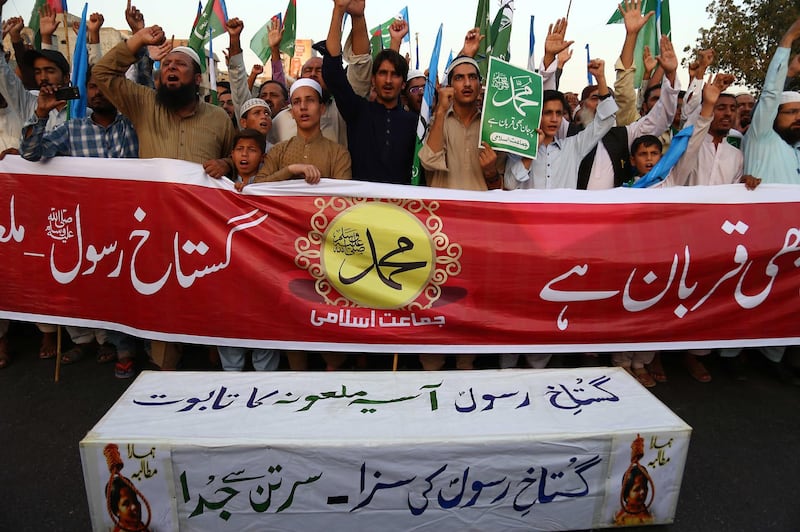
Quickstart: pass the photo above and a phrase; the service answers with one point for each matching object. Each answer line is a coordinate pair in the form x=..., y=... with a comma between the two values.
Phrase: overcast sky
x=587, y=20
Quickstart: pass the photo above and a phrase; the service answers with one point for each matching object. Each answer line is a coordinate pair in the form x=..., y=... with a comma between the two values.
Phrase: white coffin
x=463, y=450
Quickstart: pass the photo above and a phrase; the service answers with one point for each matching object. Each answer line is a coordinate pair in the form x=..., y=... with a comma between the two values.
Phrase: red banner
x=157, y=249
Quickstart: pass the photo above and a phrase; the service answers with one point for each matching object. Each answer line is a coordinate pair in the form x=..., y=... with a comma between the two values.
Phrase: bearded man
x=771, y=147
x=172, y=122
x=772, y=141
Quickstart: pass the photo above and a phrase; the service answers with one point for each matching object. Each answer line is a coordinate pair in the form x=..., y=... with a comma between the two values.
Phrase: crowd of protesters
x=354, y=115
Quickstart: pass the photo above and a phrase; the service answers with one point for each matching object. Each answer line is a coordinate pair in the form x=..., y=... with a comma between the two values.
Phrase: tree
x=745, y=35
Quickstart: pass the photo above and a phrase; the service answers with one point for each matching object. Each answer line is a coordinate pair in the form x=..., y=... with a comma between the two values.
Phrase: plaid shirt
x=80, y=137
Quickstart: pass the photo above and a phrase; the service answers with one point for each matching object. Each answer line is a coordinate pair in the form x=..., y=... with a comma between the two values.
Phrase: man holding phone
x=50, y=68
x=103, y=133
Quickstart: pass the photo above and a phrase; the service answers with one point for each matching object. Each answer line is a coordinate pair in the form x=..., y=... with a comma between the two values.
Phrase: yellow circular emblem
x=380, y=265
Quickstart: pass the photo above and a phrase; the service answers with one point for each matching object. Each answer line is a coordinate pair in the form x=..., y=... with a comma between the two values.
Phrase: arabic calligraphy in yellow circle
x=385, y=265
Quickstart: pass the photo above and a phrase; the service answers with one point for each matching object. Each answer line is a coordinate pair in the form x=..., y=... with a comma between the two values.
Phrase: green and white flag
x=500, y=31
x=210, y=24
x=649, y=35
x=259, y=44
x=484, y=25
x=512, y=109
x=290, y=28
x=383, y=31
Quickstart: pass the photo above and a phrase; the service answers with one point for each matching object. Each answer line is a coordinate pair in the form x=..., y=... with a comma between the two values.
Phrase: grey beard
x=585, y=116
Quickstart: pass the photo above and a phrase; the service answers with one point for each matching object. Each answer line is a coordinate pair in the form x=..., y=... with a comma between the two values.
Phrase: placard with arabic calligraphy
x=357, y=266
x=501, y=450
x=512, y=109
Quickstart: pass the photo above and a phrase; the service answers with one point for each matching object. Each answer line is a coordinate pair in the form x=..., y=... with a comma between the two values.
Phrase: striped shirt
x=79, y=137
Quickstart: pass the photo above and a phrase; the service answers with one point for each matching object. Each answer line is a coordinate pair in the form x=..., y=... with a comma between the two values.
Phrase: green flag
x=512, y=109
x=34, y=23
x=210, y=24
x=260, y=41
x=383, y=31
x=650, y=33
x=290, y=28
x=483, y=24
x=375, y=42
x=500, y=31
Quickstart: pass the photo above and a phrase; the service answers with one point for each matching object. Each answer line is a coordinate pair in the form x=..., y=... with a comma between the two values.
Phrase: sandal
x=696, y=369
x=644, y=377
x=5, y=358
x=76, y=354
x=656, y=369
x=106, y=353
x=124, y=369
x=48, y=349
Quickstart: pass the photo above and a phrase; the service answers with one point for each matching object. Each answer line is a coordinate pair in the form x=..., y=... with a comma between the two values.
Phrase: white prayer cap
x=253, y=102
x=790, y=97
x=191, y=53
x=413, y=74
x=460, y=60
x=305, y=82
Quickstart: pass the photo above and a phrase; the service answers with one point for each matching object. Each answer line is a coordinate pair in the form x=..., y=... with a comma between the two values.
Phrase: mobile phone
x=67, y=93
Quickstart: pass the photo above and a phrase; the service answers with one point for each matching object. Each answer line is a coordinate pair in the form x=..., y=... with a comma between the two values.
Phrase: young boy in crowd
x=645, y=153
x=248, y=150
x=247, y=154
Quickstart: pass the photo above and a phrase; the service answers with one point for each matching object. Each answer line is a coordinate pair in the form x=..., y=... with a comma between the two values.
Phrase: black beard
x=718, y=132
x=791, y=136
x=107, y=109
x=176, y=99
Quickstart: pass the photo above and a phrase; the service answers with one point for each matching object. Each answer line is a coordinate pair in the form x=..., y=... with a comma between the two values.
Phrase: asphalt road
x=741, y=473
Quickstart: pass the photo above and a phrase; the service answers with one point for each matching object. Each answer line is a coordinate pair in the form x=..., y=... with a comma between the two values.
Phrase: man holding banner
x=171, y=123
x=453, y=156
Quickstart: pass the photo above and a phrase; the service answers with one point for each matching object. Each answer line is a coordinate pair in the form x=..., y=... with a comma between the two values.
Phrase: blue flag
x=531, y=43
x=661, y=170
x=80, y=64
x=449, y=60
x=433, y=70
x=588, y=60
x=427, y=106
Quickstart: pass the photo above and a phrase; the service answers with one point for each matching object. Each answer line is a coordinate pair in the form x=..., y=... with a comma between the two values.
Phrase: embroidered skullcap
x=253, y=102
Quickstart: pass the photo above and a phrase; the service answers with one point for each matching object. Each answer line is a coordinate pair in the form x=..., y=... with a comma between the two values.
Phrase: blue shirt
x=556, y=164
x=381, y=141
x=766, y=154
x=80, y=137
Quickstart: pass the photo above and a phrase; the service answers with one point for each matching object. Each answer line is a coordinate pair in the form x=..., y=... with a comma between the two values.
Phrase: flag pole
x=58, y=352
x=416, y=54
x=568, y=8
x=66, y=35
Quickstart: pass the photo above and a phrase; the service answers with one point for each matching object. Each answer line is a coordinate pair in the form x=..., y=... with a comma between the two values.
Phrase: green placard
x=512, y=109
